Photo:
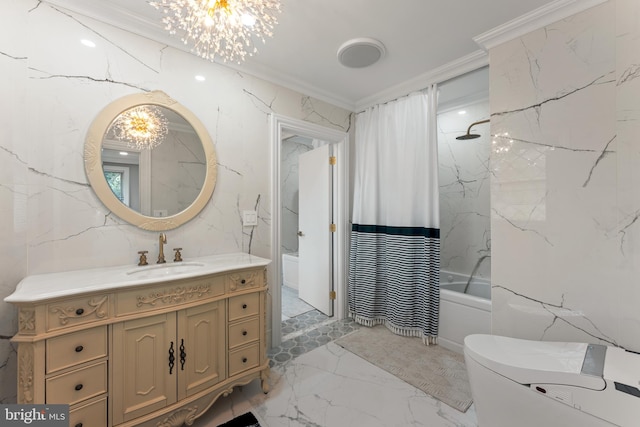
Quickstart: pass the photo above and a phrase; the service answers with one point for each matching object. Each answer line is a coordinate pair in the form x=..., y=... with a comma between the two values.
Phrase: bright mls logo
x=34, y=415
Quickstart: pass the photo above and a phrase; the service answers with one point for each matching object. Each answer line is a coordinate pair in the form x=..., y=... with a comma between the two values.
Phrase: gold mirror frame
x=95, y=174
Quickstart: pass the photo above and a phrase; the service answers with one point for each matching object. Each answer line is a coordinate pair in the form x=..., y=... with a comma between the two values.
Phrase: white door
x=314, y=234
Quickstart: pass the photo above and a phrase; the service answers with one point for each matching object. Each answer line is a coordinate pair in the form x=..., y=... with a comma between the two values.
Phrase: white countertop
x=42, y=287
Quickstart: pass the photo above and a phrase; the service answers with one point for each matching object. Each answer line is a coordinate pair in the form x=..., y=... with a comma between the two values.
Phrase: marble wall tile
x=465, y=225
x=289, y=194
x=14, y=190
x=627, y=232
x=564, y=180
x=55, y=86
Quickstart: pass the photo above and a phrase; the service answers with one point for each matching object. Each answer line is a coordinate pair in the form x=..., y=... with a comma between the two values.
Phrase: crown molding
x=473, y=61
x=534, y=20
x=287, y=82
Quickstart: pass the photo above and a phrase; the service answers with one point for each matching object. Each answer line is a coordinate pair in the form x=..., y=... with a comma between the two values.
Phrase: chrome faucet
x=161, y=241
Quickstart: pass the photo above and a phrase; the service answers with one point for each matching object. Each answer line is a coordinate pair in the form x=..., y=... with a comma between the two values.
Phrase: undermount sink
x=164, y=270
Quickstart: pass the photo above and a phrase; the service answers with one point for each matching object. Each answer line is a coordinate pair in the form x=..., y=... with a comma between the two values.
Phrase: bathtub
x=290, y=270
x=463, y=314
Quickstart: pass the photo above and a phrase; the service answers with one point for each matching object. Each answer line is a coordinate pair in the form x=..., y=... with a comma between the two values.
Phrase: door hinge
x=332, y=294
x=332, y=160
x=332, y=228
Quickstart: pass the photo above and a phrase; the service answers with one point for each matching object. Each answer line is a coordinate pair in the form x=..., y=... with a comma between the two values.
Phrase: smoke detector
x=360, y=52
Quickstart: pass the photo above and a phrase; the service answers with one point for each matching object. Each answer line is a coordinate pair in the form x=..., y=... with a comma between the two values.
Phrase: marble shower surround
x=565, y=110
x=53, y=87
x=464, y=184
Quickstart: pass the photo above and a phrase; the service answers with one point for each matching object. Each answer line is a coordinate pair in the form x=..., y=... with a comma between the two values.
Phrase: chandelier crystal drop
x=223, y=28
x=143, y=127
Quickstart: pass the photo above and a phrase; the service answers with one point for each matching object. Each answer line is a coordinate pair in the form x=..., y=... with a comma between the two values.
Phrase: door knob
x=300, y=233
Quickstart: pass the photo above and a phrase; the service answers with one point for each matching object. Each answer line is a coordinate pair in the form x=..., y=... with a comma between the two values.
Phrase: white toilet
x=521, y=383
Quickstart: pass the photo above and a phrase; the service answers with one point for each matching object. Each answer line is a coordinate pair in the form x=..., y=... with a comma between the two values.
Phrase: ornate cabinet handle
x=172, y=358
x=183, y=355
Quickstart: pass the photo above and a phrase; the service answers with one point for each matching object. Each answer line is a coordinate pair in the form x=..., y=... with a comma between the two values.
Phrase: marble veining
x=252, y=229
x=564, y=159
x=604, y=79
x=562, y=313
x=330, y=386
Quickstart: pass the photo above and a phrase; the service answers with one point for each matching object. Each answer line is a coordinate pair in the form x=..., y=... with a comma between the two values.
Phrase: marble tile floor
x=293, y=306
x=316, y=383
x=331, y=387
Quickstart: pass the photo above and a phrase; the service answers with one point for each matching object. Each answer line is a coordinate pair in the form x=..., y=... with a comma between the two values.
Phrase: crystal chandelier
x=143, y=127
x=226, y=28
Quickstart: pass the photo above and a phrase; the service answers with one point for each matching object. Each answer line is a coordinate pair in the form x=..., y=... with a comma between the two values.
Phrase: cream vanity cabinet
x=156, y=353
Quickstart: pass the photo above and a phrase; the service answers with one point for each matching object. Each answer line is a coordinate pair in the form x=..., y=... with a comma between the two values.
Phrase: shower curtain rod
x=399, y=97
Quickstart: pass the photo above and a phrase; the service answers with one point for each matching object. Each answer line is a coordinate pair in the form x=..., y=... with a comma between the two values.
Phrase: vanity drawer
x=245, y=280
x=168, y=295
x=78, y=385
x=244, y=332
x=91, y=415
x=79, y=347
x=244, y=306
x=77, y=311
x=243, y=358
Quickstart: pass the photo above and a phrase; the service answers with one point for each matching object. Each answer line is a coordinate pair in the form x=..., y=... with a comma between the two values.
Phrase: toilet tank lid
x=532, y=362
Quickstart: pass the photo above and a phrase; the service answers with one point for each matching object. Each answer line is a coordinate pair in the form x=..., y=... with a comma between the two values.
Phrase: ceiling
x=419, y=36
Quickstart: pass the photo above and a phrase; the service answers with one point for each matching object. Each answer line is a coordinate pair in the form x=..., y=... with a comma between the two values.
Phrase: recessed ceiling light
x=361, y=52
x=88, y=43
x=200, y=78
x=462, y=112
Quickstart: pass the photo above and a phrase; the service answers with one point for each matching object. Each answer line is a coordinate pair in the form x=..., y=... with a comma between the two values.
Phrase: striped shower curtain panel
x=394, y=261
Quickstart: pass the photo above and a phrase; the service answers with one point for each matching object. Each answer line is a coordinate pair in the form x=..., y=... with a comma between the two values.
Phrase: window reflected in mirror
x=118, y=181
x=121, y=170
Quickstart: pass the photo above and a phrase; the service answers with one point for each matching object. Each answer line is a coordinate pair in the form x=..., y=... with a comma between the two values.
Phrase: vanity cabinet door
x=201, y=349
x=143, y=380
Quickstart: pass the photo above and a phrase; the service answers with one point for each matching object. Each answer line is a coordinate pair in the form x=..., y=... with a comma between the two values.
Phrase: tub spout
x=473, y=272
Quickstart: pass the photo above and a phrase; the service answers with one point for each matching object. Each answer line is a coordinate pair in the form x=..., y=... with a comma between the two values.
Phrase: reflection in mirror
x=158, y=176
x=122, y=172
x=155, y=180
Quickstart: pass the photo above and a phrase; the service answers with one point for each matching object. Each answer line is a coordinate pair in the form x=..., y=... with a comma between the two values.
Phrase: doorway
x=290, y=138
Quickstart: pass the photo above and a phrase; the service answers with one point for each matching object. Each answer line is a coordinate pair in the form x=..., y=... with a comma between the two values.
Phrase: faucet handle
x=143, y=258
x=178, y=256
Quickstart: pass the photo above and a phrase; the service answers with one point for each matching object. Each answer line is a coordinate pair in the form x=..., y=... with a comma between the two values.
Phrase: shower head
x=470, y=135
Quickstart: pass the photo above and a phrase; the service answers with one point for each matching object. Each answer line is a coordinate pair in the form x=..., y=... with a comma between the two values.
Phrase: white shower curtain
x=394, y=264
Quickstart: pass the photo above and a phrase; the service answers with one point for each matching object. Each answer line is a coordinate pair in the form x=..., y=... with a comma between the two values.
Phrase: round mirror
x=150, y=161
